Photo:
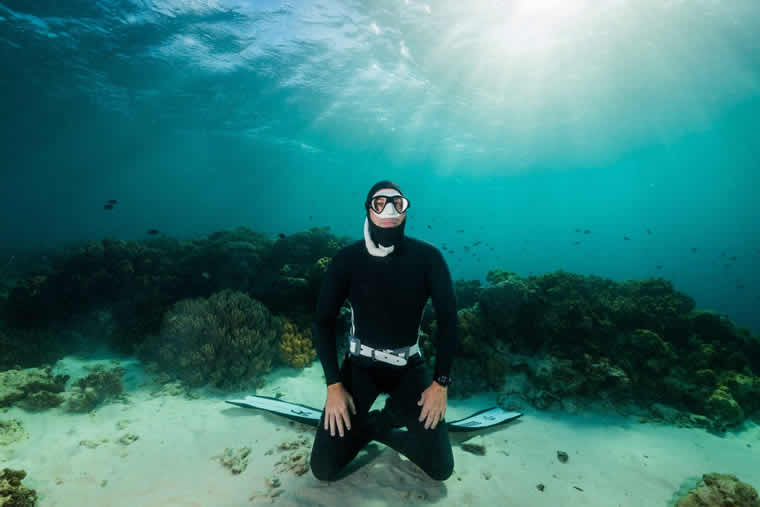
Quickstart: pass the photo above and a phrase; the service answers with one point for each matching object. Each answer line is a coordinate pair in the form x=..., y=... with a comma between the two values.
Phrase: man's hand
x=433, y=401
x=338, y=402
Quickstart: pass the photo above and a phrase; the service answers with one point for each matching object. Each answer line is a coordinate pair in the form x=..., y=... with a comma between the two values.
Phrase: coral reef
x=200, y=310
x=235, y=459
x=32, y=389
x=22, y=348
x=36, y=389
x=139, y=280
x=573, y=339
x=11, y=431
x=225, y=340
x=88, y=392
x=720, y=490
x=467, y=292
x=296, y=348
x=12, y=492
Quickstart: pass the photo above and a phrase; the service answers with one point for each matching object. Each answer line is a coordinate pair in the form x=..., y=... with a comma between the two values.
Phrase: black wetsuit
x=388, y=295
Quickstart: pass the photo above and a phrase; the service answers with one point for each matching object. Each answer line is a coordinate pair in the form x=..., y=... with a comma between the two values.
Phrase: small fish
x=153, y=232
x=739, y=285
x=659, y=266
x=108, y=206
x=626, y=238
x=649, y=231
x=732, y=258
x=476, y=243
x=281, y=236
x=576, y=242
x=466, y=248
x=429, y=227
x=693, y=250
x=586, y=232
x=491, y=248
x=205, y=275
x=460, y=230
x=309, y=217
x=577, y=230
x=112, y=201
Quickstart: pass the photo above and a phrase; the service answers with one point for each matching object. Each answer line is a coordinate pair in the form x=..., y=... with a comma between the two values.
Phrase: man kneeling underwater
x=388, y=278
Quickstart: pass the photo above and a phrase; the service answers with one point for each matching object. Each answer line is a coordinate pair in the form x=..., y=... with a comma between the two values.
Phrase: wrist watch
x=444, y=380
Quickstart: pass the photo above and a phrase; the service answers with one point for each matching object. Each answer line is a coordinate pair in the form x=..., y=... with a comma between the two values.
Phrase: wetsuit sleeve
x=332, y=294
x=444, y=302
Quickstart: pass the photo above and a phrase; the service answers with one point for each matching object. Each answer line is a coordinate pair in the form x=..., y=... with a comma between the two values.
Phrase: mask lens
x=378, y=204
x=401, y=203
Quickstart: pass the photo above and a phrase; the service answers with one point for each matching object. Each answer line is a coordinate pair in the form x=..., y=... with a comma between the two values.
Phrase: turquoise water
x=516, y=122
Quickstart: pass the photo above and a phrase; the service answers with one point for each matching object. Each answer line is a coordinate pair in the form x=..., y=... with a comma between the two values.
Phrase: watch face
x=443, y=380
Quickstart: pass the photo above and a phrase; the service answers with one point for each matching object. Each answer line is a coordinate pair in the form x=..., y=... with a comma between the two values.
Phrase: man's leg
x=429, y=449
x=331, y=453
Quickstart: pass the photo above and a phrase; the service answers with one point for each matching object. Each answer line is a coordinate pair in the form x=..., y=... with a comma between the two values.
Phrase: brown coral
x=720, y=490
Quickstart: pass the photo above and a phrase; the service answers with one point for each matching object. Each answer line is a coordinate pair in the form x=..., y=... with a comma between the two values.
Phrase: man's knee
x=442, y=471
x=322, y=471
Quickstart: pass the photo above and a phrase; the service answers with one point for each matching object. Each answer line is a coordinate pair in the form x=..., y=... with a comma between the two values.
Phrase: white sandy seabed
x=163, y=450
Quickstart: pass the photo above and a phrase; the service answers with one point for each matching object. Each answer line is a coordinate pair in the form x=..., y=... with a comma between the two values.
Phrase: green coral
x=11, y=431
x=495, y=276
x=471, y=333
x=744, y=388
x=318, y=270
x=592, y=337
x=723, y=408
x=21, y=348
x=95, y=388
x=225, y=340
x=32, y=389
x=467, y=292
x=12, y=492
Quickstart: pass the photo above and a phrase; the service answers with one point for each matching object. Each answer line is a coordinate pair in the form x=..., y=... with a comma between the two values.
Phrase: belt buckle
x=354, y=346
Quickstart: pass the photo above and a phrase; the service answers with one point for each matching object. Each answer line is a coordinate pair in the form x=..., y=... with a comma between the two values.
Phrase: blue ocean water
x=615, y=138
x=515, y=121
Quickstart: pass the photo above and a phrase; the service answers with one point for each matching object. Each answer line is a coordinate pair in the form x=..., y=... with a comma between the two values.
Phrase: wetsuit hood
x=383, y=236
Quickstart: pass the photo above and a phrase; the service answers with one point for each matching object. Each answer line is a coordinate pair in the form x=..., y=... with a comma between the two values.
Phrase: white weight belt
x=397, y=357
x=390, y=356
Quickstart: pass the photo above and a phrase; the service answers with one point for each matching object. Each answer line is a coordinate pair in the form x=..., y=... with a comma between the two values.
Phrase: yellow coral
x=295, y=346
x=321, y=265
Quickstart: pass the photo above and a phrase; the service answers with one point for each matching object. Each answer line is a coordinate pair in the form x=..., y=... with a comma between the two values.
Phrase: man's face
x=390, y=217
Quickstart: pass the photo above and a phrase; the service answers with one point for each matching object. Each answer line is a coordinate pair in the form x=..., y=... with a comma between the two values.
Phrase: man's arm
x=332, y=294
x=444, y=302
